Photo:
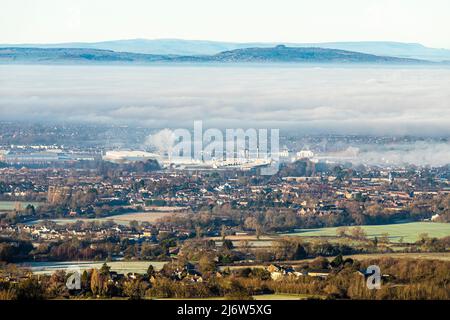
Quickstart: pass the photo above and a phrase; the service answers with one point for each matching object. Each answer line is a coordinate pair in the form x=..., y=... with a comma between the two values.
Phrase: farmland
x=403, y=232
x=145, y=216
x=442, y=256
x=123, y=219
x=11, y=205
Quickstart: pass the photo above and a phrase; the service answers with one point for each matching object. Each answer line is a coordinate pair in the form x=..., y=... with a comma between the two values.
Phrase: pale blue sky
x=49, y=21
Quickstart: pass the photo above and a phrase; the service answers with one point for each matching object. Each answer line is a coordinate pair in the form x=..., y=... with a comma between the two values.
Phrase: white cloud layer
x=369, y=100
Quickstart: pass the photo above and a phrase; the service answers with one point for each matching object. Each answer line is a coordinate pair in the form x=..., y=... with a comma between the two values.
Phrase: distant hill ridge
x=277, y=54
x=282, y=53
x=202, y=47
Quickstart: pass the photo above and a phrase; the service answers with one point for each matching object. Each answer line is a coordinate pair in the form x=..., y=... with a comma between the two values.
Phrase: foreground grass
x=274, y=296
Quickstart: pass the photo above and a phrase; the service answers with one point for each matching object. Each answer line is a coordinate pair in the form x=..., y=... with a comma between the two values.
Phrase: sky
x=54, y=21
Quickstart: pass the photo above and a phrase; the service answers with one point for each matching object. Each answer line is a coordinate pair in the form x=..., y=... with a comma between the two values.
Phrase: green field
x=442, y=256
x=10, y=205
x=409, y=231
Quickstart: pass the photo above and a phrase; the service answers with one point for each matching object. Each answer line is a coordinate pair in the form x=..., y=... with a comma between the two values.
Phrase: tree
x=258, y=231
x=151, y=271
x=30, y=210
x=250, y=223
x=206, y=264
x=227, y=244
x=104, y=270
x=56, y=286
x=375, y=242
x=95, y=282
x=384, y=237
x=319, y=263
x=236, y=291
x=289, y=249
x=358, y=233
x=423, y=237
x=99, y=281
x=30, y=289
x=135, y=289
x=341, y=231
x=223, y=232
x=85, y=280
x=299, y=252
x=260, y=273
x=134, y=225
x=198, y=231
x=337, y=262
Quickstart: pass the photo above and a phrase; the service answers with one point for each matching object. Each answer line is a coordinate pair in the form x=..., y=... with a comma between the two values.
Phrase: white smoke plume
x=163, y=141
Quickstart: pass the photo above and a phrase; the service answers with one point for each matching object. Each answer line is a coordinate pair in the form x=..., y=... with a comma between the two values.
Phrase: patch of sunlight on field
x=409, y=231
x=118, y=266
x=122, y=219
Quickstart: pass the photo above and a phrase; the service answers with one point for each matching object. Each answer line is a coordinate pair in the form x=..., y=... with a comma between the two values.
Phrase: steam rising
x=162, y=141
x=419, y=153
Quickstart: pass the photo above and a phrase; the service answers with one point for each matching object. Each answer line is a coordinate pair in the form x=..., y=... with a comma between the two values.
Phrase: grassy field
x=144, y=216
x=10, y=205
x=124, y=219
x=409, y=231
x=443, y=256
x=118, y=266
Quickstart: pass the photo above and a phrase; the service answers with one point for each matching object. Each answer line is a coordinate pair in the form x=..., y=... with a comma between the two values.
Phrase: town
x=208, y=226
